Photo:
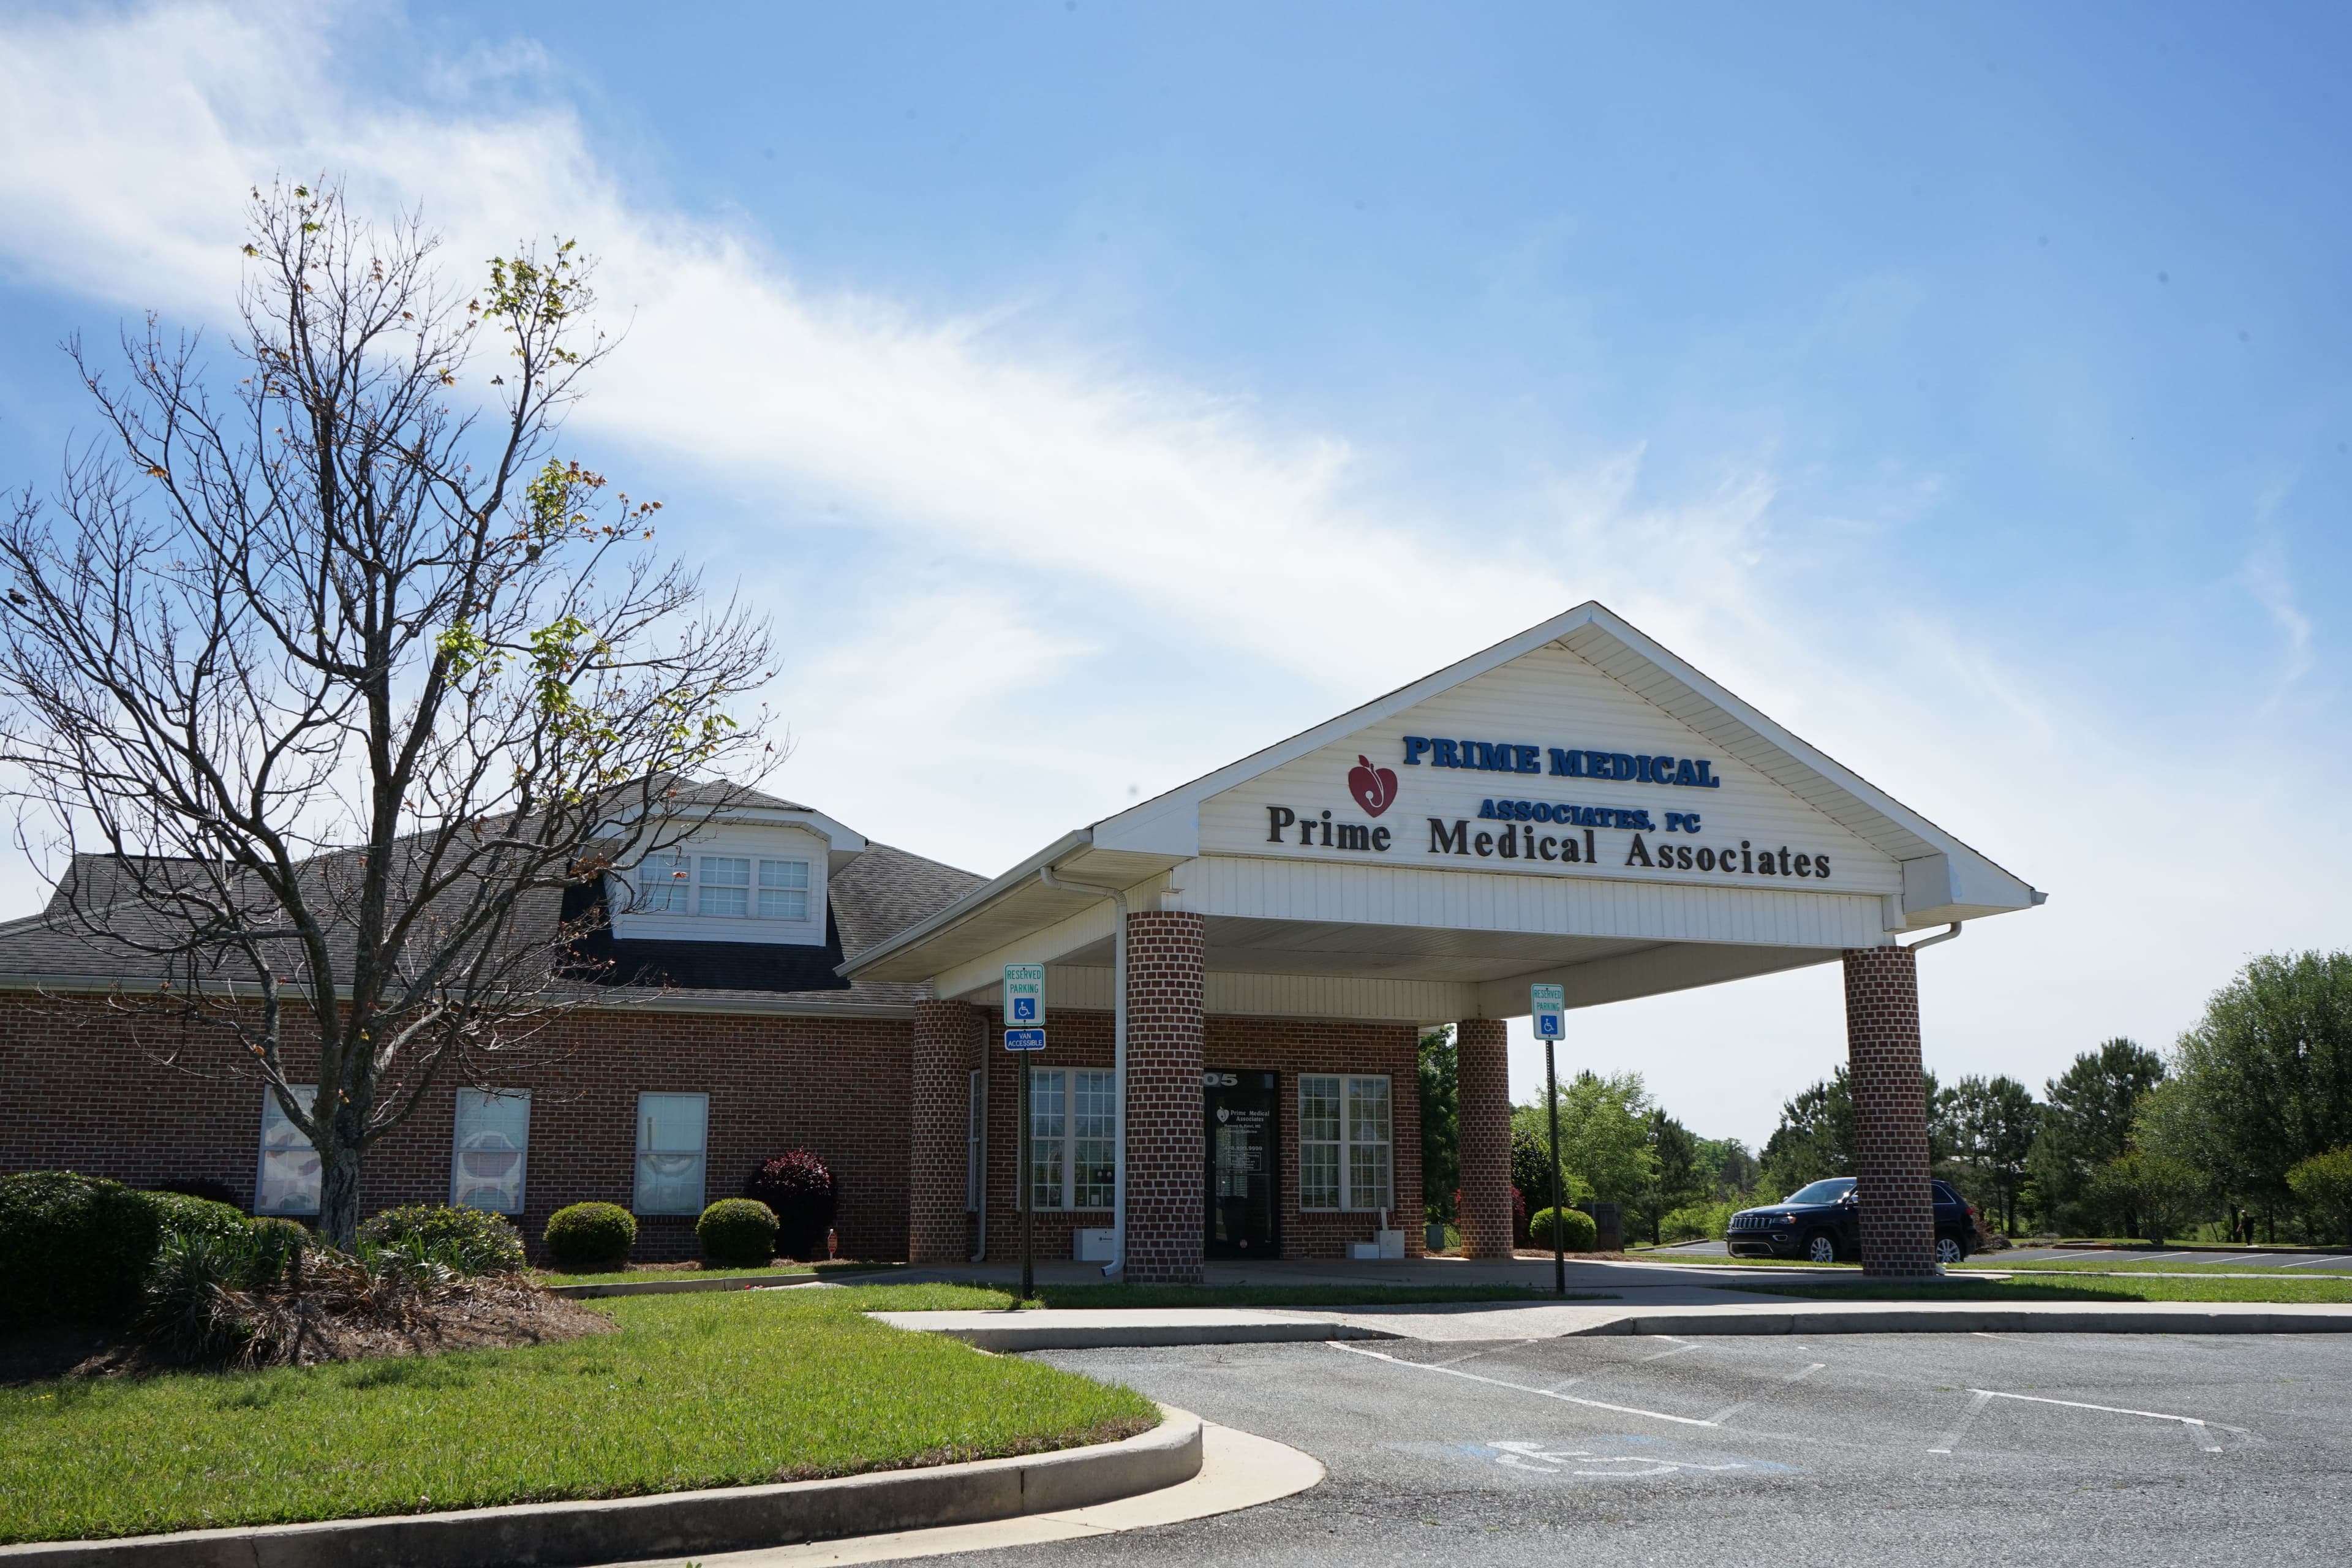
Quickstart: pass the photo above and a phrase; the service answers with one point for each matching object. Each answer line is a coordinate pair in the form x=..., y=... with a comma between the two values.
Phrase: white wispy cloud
x=1004, y=517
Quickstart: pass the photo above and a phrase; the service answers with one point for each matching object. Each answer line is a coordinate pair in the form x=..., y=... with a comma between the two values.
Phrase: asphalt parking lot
x=1884, y=1450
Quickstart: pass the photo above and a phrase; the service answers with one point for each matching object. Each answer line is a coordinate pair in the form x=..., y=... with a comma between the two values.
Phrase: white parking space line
x=2197, y=1421
x=1729, y=1411
x=1519, y=1387
x=1489, y=1349
x=2314, y=1262
x=1679, y=1347
x=1951, y=1439
x=2204, y=1436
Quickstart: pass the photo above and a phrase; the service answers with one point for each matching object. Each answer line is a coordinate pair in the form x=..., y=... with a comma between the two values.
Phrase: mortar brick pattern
x=85, y=1091
x=1165, y=1025
x=1483, y=1087
x=944, y=1037
x=1897, y=1216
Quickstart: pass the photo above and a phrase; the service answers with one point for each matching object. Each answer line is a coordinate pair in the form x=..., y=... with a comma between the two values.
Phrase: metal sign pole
x=1559, y=1235
x=1545, y=1004
x=1028, y=1207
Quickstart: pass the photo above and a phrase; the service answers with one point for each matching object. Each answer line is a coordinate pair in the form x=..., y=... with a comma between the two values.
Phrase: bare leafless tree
x=341, y=687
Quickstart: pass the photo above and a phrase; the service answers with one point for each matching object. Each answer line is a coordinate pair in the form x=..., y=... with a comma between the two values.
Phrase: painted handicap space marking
x=1620, y=1457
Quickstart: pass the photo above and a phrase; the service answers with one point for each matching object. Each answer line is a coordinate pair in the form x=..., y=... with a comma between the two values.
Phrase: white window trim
x=1345, y=1142
x=302, y=1093
x=458, y=1185
x=1068, y=1141
x=638, y=1160
x=772, y=847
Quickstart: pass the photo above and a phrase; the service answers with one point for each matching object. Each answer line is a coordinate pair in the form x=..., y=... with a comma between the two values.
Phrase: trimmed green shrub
x=736, y=1233
x=468, y=1241
x=800, y=1191
x=1576, y=1228
x=589, y=1236
x=77, y=1249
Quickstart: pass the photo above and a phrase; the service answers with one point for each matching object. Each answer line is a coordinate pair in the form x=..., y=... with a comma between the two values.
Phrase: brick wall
x=1285, y=1047
x=1897, y=1217
x=84, y=1090
x=1483, y=1081
x=1165, y=1021
x=943, y=1044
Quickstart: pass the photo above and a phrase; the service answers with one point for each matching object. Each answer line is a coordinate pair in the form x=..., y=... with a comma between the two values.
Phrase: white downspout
x=1118, y=1263
x=1932, y=941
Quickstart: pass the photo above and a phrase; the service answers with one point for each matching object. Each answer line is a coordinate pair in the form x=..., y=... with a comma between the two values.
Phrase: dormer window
x=726, y=886
x=661, y=885
x=761, y=885
x=784, y=890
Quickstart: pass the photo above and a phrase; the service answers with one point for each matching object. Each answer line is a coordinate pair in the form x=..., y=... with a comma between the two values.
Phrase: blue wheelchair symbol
x=1025, y=1006
x=1548, y=1026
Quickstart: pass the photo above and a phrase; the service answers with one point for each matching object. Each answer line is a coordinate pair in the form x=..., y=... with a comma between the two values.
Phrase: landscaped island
x=726, y=1389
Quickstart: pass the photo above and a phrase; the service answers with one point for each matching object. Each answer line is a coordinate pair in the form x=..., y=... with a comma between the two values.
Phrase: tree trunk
x=339, y=1195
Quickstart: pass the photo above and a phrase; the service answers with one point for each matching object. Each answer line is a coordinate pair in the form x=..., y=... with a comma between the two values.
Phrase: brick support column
x=1483, y=1100
x=1166, y=1174
x=1890, y=1112
x=936, y=1152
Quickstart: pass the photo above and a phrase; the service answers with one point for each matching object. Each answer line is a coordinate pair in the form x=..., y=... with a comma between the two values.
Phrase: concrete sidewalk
x=1106, y=1329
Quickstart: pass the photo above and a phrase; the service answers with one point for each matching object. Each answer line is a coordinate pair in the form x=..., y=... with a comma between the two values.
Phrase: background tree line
x=2244, y=1129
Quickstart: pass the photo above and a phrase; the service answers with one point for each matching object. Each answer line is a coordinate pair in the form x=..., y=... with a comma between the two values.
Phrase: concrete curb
x=732, y=1518
x=1940, y=1319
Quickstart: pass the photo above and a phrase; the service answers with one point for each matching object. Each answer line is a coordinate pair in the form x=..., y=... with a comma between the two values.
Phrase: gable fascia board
x=1169, y=823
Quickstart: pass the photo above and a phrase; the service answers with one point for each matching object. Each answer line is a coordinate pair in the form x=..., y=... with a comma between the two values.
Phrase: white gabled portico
x=1575, y=806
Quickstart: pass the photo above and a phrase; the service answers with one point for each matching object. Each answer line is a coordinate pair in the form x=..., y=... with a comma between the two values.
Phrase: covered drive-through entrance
x=1237, y=969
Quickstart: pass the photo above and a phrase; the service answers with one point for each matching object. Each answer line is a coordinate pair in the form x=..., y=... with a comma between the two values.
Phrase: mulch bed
x=488, y=1313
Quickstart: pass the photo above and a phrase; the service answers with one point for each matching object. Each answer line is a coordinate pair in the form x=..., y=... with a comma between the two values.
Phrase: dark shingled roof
x=879, y=893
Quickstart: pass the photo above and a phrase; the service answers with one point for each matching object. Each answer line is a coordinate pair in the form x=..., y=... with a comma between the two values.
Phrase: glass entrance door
x=1244, y=1215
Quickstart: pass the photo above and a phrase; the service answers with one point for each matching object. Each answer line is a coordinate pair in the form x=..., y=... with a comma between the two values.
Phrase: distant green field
x=2100, y=1263
x=2059, y=1286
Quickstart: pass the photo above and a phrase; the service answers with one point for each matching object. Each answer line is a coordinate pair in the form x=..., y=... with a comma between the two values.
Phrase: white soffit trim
x=1955, y=876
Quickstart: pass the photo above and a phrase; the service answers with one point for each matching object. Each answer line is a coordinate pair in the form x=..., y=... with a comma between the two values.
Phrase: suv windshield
x=1827, y=1192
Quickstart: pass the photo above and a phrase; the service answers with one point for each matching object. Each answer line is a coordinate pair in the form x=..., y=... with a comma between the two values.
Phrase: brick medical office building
x=1575, y=806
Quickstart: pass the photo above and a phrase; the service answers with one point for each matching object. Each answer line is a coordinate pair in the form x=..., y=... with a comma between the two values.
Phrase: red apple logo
x=1374, y=788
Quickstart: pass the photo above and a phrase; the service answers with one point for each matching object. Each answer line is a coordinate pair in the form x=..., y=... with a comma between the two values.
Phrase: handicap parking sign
x=1546, y=1001
x=1024, y=995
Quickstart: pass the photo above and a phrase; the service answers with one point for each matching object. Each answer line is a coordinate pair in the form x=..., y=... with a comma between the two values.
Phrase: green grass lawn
x=724, y=1389
x=782, y=1268
x=2102, y=1264
x=2061, y=1287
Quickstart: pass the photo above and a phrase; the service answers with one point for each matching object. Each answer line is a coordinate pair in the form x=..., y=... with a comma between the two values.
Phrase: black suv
x=1816, y=1222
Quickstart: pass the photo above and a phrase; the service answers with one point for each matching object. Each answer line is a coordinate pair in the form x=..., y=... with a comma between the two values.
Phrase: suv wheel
x=1821, y=1248
x=1949, y=1251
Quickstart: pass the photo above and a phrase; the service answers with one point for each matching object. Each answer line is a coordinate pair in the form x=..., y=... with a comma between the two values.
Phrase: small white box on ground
x=1364, y=1250
x=1095, y=1245
x=1389, y=1242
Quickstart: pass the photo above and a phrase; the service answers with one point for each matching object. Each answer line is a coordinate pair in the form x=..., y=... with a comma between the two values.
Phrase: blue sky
x=1968, y=390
